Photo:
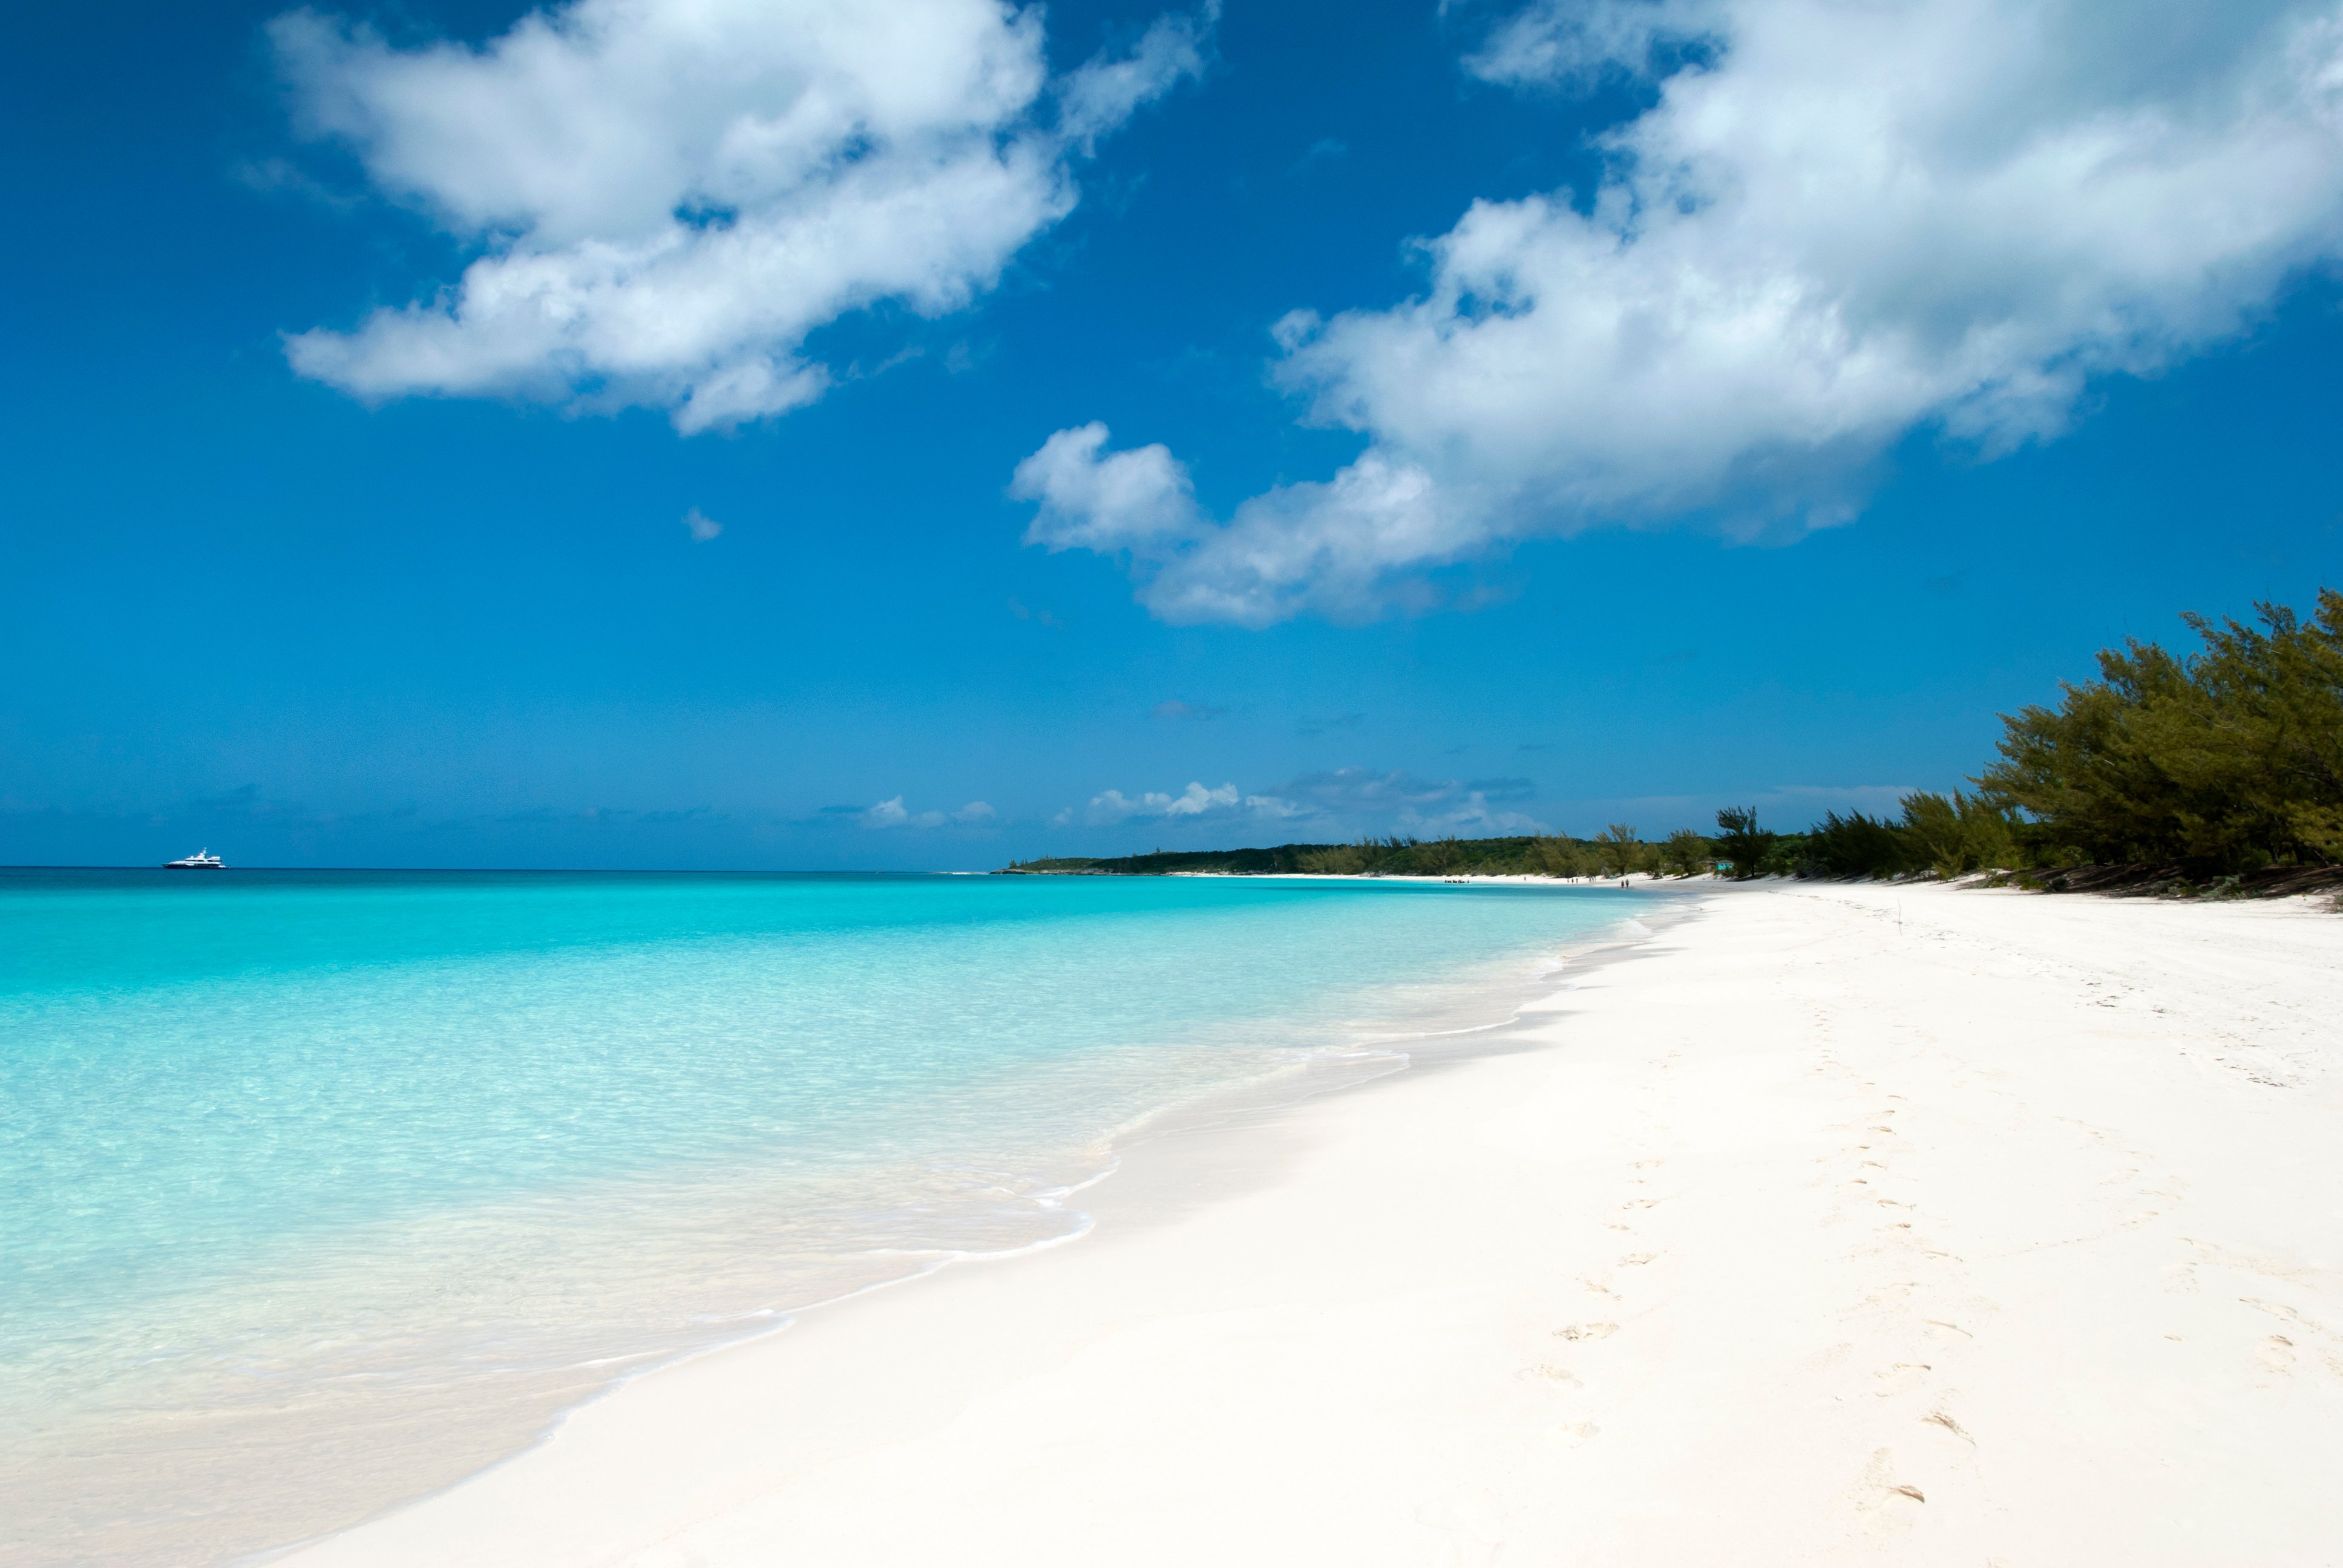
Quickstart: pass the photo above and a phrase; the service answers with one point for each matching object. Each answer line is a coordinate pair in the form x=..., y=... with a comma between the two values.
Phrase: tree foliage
x=1685, y=853
x=2226, y=761
x=1945, y=836
x=1742, y=849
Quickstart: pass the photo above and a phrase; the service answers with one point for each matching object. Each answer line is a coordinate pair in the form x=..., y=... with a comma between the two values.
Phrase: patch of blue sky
x=736, y=544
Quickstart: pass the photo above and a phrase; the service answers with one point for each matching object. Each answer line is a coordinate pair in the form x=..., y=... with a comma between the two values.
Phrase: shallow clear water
x=320, y=1190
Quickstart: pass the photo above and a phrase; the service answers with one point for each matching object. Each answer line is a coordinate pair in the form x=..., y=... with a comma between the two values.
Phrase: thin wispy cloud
x=1175, y=711
x=1325, y=150
x=1362, y=798
x=1833, y=225
x=700, y=526
x=1340, y=721
x=1336, y=804
x=1023, y=611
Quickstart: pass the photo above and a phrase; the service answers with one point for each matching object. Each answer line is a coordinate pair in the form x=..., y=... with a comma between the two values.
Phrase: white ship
x=201, y=860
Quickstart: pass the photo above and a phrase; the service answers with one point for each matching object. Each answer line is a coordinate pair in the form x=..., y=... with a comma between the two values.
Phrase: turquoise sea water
x=320, y=1190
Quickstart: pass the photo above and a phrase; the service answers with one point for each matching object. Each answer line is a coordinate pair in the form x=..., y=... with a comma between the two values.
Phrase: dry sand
x=1836, y=1225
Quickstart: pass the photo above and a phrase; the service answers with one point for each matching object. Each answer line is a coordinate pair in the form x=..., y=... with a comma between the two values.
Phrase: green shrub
x=1741, y=843
x=1855, y=845
x=2225, y=761
x=1964, y=833
x=1685, y=853
x=1618, y=852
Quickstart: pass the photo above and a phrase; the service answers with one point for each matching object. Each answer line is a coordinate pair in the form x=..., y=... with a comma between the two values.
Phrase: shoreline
x=344, y=1372
x=1393, y=1031
x=1545, y=1298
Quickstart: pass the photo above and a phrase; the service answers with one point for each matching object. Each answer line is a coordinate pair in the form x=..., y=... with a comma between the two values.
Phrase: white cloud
x=1310, y=543
x=1843, y=221
x=668, y=195
x=700, y=526
x=1195, y=801
x=1129, y=500
x=1102, y=95
x=1345, y=801
x=1349, y=798
x=893, y=814
x=1574, y=42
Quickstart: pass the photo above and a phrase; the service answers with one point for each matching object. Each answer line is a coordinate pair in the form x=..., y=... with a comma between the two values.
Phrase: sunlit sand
x=1835, y=1224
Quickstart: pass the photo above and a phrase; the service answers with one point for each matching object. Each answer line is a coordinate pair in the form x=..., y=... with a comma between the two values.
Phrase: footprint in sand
x=1901, y=1378
x=1586, y=1332
x=1881, y=1473
x=1938, y=1418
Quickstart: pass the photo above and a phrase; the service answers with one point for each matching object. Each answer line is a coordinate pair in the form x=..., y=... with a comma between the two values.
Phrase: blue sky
x=1696, y=402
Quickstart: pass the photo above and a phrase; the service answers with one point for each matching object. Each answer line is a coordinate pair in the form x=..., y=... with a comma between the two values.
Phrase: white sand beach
x=1835, y=1224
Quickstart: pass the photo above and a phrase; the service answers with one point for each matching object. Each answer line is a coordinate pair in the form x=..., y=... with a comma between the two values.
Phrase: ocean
x=320, y=1191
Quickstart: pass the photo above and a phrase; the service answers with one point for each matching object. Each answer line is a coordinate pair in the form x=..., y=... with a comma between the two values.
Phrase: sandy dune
x=1838, y=1224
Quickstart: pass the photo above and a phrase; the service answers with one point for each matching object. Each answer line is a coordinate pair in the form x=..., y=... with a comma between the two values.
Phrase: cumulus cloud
x=668, y=195
x=1839, y=221
x=1331, y=544
x=1195, y=801
x=700, y=526
x=1139, y=499
x=895, y=814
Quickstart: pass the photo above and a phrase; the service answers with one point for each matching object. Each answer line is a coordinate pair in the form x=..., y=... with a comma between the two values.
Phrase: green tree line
x=2223, y=762
x=1615, y=851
